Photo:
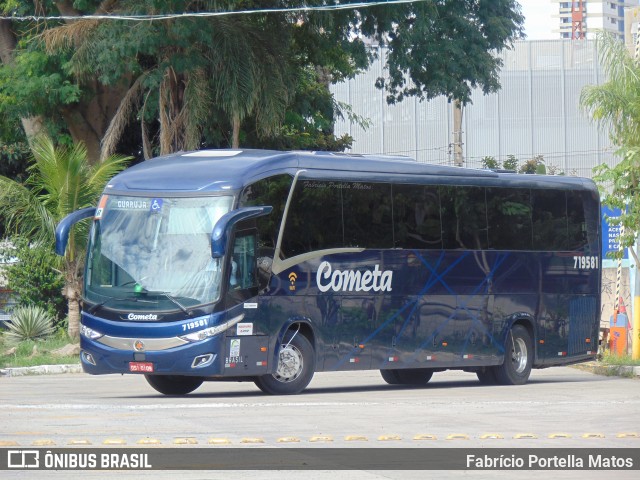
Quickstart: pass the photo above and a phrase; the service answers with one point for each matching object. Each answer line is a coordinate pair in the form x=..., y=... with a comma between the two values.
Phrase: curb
x=40, y=370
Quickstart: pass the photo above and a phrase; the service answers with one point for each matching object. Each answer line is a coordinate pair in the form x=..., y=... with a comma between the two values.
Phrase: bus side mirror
x=64, y=227
x=222, y=229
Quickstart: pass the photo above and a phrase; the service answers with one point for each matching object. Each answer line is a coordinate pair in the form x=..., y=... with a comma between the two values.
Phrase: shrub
x=28, y=323
x=35, y=278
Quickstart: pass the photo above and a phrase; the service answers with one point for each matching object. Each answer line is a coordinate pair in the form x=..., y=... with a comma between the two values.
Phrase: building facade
x=535, y=113
x=581, y=19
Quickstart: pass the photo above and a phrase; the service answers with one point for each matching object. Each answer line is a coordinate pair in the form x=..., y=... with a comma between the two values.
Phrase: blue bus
x=267, y=266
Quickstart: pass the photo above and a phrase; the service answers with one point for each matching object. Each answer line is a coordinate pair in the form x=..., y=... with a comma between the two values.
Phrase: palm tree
x=61, y=180
x=616, y=102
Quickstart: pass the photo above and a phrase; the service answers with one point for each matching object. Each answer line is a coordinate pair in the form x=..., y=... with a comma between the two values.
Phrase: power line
x=169, y=16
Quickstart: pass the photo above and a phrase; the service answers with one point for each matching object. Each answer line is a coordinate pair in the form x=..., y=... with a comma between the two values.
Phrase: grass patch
x=610, y=359
x=24, y=355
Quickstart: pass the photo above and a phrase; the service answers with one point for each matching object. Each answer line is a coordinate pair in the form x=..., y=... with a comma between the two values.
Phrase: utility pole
x=458, y=157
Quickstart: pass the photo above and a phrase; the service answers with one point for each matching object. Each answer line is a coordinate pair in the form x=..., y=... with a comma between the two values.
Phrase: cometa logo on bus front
x=353, y=281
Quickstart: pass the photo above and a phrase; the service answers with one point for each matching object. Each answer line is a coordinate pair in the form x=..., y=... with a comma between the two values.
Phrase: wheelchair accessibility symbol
x=156, y=205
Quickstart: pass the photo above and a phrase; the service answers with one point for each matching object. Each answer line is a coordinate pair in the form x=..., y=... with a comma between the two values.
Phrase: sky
x=537, y=19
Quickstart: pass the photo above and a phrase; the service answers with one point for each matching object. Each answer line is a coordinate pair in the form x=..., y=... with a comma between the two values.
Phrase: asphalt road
x=559, y=407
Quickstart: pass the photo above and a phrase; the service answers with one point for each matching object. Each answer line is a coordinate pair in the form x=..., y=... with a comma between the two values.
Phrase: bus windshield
x=154, y=254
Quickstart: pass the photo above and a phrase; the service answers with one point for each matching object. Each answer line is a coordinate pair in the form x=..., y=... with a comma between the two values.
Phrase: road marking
x=252, y=440
x=115, y=441
x=593, y=435
x=8, y=443
x=389, y=438
x=491, y=436
x=559, y=435
x=219, y=441
x=79, y=442
x=288, y=440
x=321, y=438
x=628, y=435
x=525, y=436
x=43, y=442
x=149, y=441
x=458, y=436
x=425, y=436
x=355, y=438
x=185, y=441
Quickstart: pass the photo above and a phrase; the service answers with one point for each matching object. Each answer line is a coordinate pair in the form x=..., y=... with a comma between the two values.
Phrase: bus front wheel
x=173, y=384
x=296, y=365
x=407, y=376
x=518, y=358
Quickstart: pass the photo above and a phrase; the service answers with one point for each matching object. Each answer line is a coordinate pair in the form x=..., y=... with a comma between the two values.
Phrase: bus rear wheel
x=174, y=384
x=518, y=358
x=407, y=376
x=296, y=365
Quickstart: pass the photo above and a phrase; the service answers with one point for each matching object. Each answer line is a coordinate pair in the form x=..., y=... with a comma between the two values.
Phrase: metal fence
x=536, y=112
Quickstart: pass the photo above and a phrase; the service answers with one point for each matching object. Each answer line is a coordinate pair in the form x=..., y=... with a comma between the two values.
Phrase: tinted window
x=464, y=218
x=549, y=219
x=416, y=215
x=367, y=215
x=576, y=222
x=509, y=218
x=314, y=221
x=271, y=191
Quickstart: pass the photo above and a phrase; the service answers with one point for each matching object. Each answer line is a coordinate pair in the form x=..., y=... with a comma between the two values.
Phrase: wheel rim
x=290, y=364
x=519, y=355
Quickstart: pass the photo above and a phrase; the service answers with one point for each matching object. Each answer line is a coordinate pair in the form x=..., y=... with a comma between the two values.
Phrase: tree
x=192, y=80
x=617, y=104
x=61, y=180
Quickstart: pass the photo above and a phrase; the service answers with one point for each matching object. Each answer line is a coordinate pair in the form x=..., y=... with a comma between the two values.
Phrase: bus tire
x=518, y=358
x=296, y=366
x=487, y=376
x=174, y=384
x=407, y=376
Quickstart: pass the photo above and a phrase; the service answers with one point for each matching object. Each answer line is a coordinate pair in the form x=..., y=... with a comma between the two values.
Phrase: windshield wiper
x=174, y=301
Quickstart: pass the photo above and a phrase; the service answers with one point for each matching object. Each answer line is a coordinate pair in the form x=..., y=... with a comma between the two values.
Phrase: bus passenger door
x=246, y=343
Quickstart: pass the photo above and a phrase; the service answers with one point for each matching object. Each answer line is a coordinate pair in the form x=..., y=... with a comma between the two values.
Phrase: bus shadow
x=366, y=388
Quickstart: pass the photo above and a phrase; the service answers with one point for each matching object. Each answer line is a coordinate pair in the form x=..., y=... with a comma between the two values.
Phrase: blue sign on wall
x=610, y=232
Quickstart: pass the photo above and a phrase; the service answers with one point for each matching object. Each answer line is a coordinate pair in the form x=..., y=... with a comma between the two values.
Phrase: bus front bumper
x=102, y=356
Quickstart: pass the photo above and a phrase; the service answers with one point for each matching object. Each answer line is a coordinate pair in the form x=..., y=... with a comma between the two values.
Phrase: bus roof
x=209, y=171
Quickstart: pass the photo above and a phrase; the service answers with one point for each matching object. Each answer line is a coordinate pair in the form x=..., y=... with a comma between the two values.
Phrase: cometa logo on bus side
x=353, y=281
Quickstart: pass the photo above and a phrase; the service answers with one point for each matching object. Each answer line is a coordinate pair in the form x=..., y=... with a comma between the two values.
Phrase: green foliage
x=490, y=162
x=617, y=104
x=14, y=160
x=36, y=277
x=511, y=163
x=443, y=48
x=36, y=84
x=534, y=165
x=28, y=323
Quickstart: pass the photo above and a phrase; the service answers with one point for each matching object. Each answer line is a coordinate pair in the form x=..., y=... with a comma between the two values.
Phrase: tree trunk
x=72, y=292
x=235, y=141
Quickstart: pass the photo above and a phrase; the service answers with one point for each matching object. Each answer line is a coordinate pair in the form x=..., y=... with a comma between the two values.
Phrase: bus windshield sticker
x=131, y=205
x=251, y=305
x=156, y=205
x=234, y=348
x=244, y=329
x=101, y=205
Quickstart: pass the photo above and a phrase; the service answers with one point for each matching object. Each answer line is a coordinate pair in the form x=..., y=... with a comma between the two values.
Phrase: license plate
x=143, y=367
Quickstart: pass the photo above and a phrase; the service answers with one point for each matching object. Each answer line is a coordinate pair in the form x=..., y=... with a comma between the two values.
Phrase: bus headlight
x=211, y=331
x=90, y=333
